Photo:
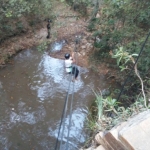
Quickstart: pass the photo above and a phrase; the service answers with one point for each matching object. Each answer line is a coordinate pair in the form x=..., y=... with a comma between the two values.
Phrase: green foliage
x=110, y=104
x=79, y=5
x=122, y=29
x=92, y=24
x=123, y=24
x=42, y=47
x=20, y=26
x=99, y=104
x=107, y=104
x=102, y=44
x=14, y=13
x=144, y=61
x=91, y=122
x=118, y=113
x=123, y=57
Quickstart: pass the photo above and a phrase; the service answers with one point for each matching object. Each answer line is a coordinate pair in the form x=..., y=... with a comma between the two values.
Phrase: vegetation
x=80, y=5
x=123, y=57
x=18, y=15
x=107, y=112
x=120, y=29
x=43, y=46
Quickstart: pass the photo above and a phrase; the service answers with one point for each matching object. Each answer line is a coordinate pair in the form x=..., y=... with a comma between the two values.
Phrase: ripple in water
x=53, y=71
x=33, y=92
x=57, y=46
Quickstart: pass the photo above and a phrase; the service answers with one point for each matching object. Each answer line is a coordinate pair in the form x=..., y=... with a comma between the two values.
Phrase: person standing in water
x=68, y=65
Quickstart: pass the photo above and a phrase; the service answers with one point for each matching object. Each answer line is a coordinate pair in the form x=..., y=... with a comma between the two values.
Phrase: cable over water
x=62, y=123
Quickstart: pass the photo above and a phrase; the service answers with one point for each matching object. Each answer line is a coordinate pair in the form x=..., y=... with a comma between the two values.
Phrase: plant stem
x=136, y=72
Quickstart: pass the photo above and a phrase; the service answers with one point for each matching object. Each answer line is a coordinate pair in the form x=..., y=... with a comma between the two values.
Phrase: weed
x=42, y=47
x=109, y=113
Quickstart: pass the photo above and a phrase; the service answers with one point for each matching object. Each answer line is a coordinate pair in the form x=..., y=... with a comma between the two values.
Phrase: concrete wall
x=133, y=134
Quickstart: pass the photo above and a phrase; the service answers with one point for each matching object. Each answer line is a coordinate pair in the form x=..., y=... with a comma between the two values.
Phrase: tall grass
x=107, y=112
x=99, y=103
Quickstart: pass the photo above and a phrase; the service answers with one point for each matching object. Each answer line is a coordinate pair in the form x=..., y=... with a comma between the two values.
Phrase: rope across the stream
x=62, y=122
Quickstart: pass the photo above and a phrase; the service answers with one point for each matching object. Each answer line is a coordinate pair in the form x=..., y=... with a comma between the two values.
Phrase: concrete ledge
x=115, y=145
x=136, y=133
x=100, y=148
x=131, y=135
x=100, y=138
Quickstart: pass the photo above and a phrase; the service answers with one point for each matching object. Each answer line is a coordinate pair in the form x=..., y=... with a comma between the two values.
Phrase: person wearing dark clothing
x=48, y=28
x=75, y=72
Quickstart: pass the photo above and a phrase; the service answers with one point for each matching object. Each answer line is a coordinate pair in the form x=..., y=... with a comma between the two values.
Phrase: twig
x=136, y=72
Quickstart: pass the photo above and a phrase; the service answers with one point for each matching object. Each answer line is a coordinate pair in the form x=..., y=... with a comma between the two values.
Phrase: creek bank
x=13, y=45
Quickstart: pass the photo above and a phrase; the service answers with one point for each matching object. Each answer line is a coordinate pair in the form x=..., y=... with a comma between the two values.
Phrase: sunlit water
x=33, y=90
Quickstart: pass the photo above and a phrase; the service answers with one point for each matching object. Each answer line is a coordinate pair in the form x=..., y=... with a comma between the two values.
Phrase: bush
x=15, y=12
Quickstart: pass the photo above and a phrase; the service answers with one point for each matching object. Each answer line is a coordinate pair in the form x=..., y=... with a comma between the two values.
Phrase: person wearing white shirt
x=68, y=65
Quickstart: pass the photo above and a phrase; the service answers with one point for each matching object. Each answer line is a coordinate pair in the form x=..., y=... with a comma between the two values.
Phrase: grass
x=106, y=112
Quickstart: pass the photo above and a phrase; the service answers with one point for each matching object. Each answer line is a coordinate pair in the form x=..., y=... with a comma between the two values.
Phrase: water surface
x=32, y=94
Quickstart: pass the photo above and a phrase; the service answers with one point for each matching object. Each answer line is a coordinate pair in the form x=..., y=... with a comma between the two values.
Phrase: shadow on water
x=32, y=95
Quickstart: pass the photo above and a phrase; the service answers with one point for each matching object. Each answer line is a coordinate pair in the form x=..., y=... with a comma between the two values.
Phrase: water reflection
x=53, y=73
x=32, y=95
x=57, y=46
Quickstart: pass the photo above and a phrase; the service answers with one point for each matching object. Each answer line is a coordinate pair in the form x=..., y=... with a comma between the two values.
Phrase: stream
x=33, y=90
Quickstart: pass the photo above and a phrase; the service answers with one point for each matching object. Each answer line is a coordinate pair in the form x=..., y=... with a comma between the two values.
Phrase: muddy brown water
x=32, y=94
